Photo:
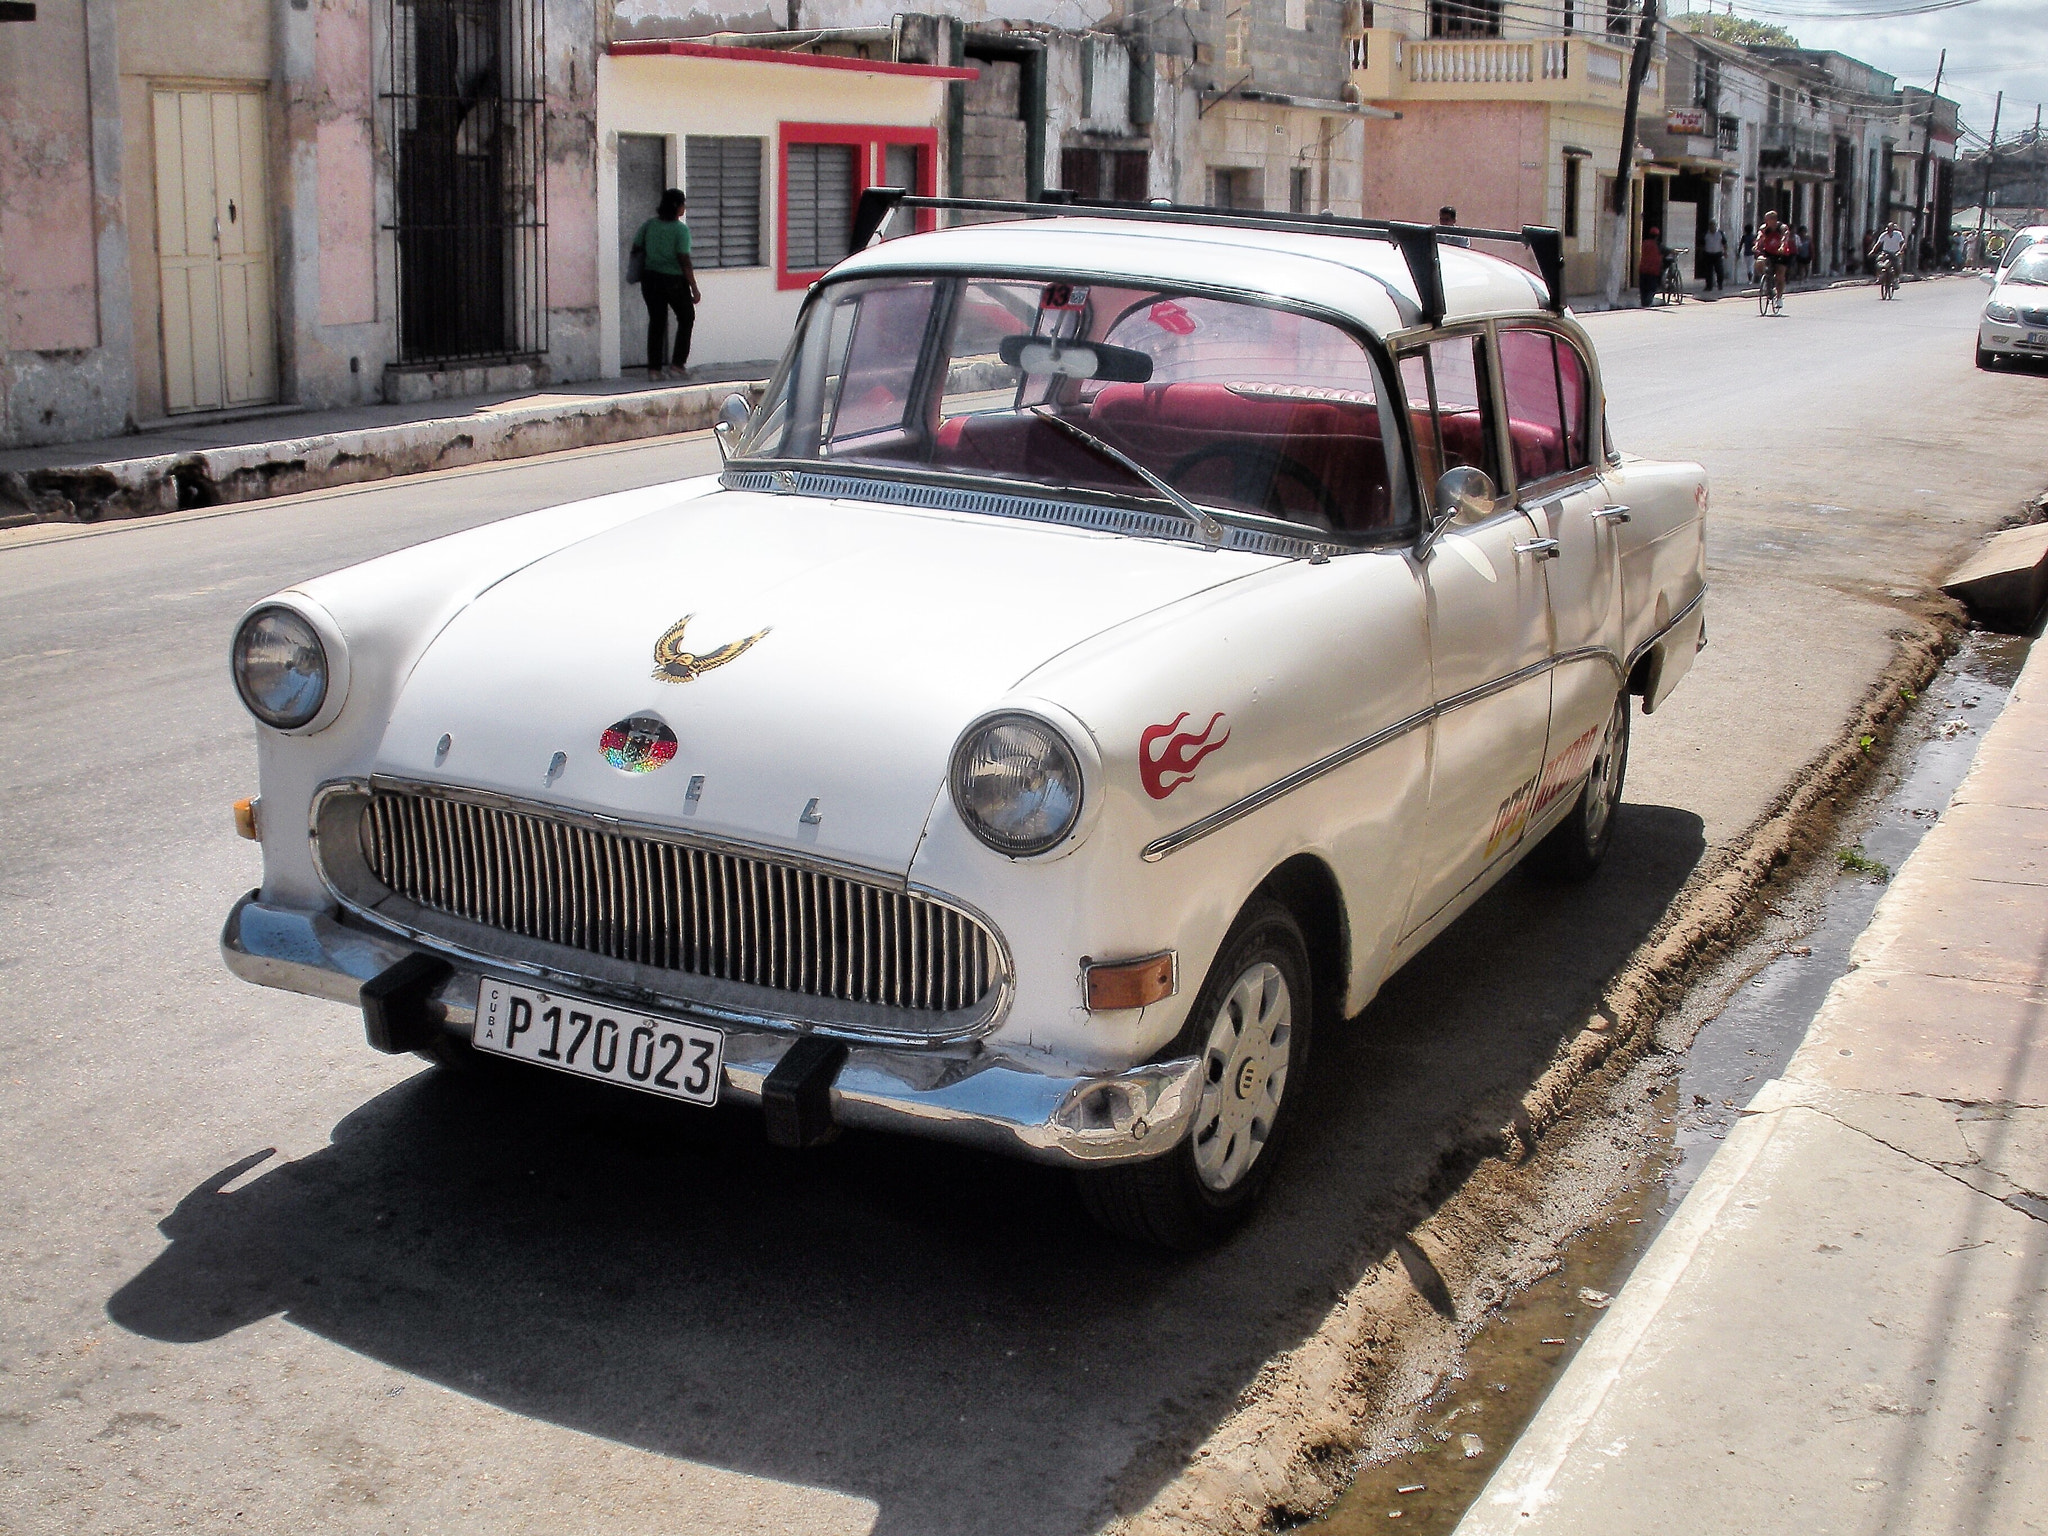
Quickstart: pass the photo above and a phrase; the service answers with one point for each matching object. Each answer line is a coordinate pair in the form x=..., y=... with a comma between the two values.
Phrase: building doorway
x=643, y=177
x=213, y=249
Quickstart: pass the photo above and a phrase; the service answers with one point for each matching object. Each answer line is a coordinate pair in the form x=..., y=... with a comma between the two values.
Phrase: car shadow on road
x=929, y=1328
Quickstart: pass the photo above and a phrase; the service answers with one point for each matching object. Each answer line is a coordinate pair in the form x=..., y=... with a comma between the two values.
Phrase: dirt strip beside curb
x=1287, y=1445
x=175, y=482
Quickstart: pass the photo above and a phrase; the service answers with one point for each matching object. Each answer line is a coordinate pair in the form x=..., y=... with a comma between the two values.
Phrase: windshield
x=2030, y=268
x=1238, y=407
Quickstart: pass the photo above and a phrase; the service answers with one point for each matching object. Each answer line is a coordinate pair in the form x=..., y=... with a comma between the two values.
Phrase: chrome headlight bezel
x=319, y=633
x=1064, y=762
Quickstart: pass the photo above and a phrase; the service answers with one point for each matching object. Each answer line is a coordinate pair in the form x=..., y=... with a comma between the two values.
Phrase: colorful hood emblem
x=1172, y=765
x=639, y=744
x=673, y=664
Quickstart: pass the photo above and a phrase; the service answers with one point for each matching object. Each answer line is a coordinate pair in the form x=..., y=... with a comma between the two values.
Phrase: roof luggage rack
x=1418, y=243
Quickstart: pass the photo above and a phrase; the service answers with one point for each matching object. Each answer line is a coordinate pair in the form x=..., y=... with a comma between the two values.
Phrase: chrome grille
x=677, y=907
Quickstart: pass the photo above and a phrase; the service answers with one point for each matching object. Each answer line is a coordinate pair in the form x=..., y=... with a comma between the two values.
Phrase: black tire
x=1167, y=1202
x=1575, y=847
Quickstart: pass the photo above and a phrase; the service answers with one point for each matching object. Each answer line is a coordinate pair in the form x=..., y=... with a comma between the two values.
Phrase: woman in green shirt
x=667, y=282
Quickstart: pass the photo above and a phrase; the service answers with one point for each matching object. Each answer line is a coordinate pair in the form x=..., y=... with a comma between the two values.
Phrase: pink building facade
x=215, y=206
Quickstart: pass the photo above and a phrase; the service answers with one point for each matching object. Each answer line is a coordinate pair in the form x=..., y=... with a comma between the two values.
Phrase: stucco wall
x=1487, y=159
x=694, y=18
x=744, y=316
x=64, y=309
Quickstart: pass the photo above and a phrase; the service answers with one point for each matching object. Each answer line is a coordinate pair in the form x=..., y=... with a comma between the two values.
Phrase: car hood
x=833, y=653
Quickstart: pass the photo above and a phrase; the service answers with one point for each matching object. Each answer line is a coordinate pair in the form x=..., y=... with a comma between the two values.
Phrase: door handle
x=1610, y=515
x=1542, y=549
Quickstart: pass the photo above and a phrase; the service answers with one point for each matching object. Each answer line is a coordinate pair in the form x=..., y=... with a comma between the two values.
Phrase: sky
x=1992, y=45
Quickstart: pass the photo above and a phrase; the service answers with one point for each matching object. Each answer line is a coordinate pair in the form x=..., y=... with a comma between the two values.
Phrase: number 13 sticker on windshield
x=573, y=1034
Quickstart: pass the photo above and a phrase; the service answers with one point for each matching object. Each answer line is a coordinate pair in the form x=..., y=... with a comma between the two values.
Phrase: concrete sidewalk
x=187, y=463
x=1845, y=1326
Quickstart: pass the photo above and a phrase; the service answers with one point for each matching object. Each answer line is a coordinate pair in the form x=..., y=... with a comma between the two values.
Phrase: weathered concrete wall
x=63, y=353
x=694, y=18
x=250, y=471
x=570, y=190
x=994, y=137
x=1487, y=159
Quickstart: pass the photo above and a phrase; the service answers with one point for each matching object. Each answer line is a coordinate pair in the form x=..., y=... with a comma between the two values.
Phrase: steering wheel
x=1256, y=476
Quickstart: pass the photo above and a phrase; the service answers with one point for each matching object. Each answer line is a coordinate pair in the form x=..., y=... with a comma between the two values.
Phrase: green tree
x=1739, y=30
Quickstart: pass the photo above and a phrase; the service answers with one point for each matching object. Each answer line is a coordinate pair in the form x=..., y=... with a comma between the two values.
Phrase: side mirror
x=1465, y=495
x=733, y=413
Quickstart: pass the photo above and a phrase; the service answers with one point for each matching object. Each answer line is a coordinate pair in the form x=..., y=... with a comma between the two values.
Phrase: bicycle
x=1674, y=284
x=1887, y=277
x=1770, y=286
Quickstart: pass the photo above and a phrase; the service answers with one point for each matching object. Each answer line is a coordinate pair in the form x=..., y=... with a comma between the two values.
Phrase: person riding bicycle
x=1887, y=248
x=1776, y=249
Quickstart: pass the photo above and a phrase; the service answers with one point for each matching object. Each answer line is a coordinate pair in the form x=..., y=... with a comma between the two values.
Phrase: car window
x=2030, y=268
x=1239, y=406
x=1443, y=385
x=1543, y=382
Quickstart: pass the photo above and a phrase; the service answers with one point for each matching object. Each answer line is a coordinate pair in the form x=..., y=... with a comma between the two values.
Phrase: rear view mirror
x=1465, y=495
x=733, y=412
x=1076, y=359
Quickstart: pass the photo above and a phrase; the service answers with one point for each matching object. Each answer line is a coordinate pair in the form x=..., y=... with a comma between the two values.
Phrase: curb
x=176, y=482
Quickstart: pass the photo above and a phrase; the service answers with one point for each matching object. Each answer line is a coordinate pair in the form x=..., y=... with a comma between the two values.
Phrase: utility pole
x=1617, y=222
x=1924, y=235
x=1990, y=156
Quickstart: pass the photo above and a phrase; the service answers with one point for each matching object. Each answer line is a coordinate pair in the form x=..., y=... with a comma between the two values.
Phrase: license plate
x=2036, y=339
x=574, y=1034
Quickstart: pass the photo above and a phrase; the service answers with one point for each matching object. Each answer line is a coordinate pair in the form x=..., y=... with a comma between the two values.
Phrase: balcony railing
x=1386, y=64
x=1784, y=147
x=1466, y=62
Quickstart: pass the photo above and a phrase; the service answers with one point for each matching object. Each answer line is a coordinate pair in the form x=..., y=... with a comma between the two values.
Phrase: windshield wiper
x=1210, y=530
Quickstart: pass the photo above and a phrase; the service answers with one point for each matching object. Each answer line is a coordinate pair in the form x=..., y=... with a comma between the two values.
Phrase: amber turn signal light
x=1131, y=983
x=245, y=819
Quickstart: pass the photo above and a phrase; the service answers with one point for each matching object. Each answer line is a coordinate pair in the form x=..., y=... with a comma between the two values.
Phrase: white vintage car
x=1119, y=638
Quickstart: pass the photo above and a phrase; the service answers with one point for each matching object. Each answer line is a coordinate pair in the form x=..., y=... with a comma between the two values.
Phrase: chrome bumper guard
x=990, y=1099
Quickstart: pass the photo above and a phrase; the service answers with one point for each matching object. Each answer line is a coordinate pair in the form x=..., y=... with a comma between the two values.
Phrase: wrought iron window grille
x=466, y=139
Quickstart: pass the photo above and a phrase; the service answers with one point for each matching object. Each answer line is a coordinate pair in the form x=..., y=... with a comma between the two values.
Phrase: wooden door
x=213, y=249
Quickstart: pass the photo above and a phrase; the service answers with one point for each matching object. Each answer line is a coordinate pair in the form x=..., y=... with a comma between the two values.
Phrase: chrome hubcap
x=1603, y=784
x=1244, y=1073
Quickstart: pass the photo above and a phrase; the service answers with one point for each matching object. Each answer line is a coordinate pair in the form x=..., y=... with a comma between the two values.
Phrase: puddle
x=1466, y=1429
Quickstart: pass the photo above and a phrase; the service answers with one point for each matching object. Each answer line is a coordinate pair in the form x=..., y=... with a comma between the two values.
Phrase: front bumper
x=982, y=1096
x=2020, y=340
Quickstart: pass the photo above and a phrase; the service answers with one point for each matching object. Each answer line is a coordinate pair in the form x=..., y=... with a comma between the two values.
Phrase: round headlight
x=280, y=668
x=1017, y=784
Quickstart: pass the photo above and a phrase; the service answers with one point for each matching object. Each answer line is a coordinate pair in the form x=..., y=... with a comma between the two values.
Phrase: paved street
x=257, y=1276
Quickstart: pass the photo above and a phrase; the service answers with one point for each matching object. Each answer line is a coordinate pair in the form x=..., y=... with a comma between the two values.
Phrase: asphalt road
x=257, y=1277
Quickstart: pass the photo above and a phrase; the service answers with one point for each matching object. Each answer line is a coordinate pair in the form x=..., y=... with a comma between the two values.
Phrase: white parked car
x=2015, y=322
x=1119, y=639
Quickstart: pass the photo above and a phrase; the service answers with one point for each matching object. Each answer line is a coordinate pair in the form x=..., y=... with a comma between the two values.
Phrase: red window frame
x=872, y=140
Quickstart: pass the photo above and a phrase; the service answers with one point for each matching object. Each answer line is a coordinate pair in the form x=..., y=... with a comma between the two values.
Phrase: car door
x=1545, y=394
x=1489, y=640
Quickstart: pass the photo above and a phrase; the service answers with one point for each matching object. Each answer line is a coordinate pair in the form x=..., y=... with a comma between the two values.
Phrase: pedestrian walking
x=1650, y=269
x=1714, y=257
x=1446, y=217
x=668, y=283
x=1805, y=252
x=1746, y=251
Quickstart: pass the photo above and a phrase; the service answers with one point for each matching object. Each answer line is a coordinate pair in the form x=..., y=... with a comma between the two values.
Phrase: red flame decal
x=1174, y=764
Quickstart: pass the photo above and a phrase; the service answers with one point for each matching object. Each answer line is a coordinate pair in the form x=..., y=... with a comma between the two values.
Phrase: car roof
x=1365, y=279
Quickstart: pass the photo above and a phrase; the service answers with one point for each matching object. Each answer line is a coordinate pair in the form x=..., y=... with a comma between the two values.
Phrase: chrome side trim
x=1194, y=831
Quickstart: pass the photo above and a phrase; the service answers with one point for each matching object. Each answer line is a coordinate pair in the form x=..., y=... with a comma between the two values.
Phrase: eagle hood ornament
x=674, y=664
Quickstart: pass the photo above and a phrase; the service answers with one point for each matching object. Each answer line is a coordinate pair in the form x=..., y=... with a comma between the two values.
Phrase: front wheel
x=1250, y=1028
x=1576, y=845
